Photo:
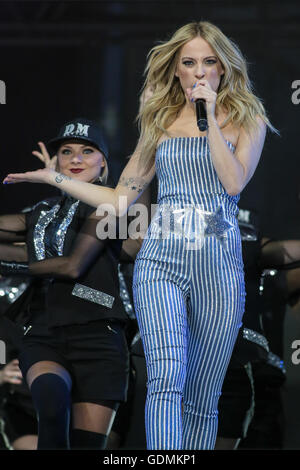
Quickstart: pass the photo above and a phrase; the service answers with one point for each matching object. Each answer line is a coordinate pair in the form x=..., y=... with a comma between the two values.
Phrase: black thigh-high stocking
x=51, y=398
x=81, y=439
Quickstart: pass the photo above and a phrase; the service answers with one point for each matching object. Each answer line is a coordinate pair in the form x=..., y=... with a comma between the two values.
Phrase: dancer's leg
x=50, y=386
x=91, y=425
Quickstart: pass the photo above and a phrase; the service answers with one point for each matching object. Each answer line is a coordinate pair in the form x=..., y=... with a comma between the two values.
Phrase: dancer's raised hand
x=44, y=156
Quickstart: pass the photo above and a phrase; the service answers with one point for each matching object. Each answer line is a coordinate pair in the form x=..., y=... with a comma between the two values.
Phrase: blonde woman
x=189, y=280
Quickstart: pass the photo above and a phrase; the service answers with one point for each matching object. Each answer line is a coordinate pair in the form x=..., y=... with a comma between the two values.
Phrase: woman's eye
x=66, y=152
x=188, y=62
x=88, y=150
x=210, y=61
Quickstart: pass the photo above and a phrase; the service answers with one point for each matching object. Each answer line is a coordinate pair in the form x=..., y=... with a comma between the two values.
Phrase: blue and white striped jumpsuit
x=189, y=299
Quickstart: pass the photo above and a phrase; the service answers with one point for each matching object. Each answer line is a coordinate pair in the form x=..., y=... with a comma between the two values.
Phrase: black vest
x=52, y=227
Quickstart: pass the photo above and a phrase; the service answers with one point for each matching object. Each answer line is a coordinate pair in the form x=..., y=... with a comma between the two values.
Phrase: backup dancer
x=74, y=352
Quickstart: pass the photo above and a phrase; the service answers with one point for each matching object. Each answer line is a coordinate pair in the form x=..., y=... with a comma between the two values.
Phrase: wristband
x=8, y=268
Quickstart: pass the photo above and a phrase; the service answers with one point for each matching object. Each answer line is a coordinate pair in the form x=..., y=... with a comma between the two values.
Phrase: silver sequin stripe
x=275, y=361
x=43, y=221
x=62, y=229
x=96, y=296
x=125, y=295
x=32, y=208
x=255, y=337
x=39, y=231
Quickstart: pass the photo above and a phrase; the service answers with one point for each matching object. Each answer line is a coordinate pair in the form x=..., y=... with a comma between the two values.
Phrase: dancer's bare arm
x=133, y=181
x=13, y=252
x=279, y=254
x=12, y=228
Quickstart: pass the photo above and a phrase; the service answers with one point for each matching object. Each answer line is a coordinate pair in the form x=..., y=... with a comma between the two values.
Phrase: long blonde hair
x=235, y=93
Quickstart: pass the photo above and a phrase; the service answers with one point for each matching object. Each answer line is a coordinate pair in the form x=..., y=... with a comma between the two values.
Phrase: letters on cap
x=78, y=130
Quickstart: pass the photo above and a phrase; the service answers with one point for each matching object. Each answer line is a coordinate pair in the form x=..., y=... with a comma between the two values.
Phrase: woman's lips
x=76, y=170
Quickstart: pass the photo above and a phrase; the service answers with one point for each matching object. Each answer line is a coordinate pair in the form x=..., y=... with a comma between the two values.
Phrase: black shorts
x=95, y=354
x=236, y=404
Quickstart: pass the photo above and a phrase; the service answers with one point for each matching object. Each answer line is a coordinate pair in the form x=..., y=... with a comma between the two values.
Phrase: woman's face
x=197, y=60
x=80, y=160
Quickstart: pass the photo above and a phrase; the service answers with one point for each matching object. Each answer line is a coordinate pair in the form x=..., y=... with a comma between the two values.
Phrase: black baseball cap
x=83, y=130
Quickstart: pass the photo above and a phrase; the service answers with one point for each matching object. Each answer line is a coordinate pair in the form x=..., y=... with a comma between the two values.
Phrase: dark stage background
x=61, y=60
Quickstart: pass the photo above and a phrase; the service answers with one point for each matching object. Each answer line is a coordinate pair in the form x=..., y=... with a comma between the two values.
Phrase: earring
x=100, y=179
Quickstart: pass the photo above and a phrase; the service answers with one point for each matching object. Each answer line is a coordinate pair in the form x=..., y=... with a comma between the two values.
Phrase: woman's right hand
x=37, y=176
x=11, y=373
x=44, y=156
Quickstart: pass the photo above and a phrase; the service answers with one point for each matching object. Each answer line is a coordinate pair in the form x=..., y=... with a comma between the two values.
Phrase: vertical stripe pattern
x=189, y=302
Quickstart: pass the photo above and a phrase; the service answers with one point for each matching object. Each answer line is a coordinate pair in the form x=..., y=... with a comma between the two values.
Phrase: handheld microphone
x=201, y=114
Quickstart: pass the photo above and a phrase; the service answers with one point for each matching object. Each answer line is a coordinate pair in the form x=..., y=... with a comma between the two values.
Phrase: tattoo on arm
x=135, y=184
x=60, y=177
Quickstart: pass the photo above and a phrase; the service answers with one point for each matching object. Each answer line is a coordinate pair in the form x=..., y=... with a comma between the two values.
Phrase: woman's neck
x=188, y=111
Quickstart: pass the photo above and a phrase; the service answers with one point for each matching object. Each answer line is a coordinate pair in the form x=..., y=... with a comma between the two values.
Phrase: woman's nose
x=200, y=72
x=76, y=157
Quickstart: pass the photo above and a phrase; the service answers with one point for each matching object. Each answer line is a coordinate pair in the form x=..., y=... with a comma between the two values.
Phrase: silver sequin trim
x=43, y=221
x=125, y=295
x=39, y=231
x=96, y=296
x=62, y=229
x=275, y=361
x=255, y=337
x=32, y=208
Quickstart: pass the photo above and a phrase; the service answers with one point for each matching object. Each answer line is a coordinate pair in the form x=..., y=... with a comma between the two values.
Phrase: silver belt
x=191, y=223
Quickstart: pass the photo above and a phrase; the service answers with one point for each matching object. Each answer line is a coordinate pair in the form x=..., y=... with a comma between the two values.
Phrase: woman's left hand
x=203, y=90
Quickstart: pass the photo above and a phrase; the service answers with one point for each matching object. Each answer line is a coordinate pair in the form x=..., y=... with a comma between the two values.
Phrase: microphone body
x=201, y=114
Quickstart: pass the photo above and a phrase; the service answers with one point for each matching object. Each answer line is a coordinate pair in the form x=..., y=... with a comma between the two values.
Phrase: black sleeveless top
x=54, y=226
